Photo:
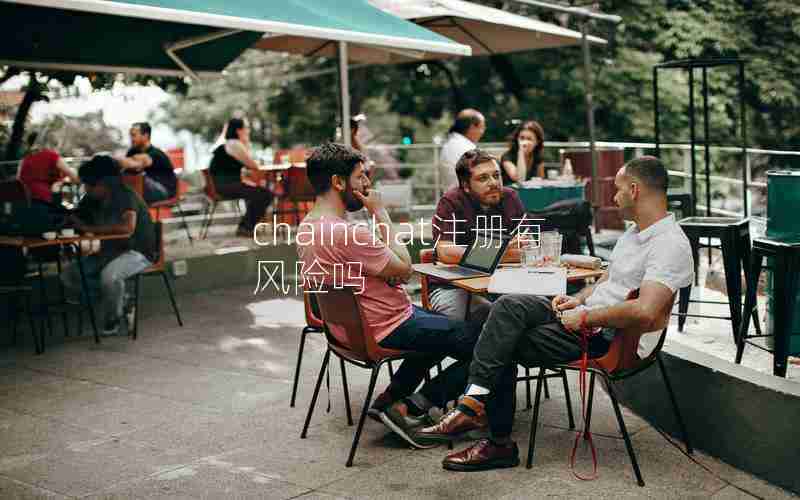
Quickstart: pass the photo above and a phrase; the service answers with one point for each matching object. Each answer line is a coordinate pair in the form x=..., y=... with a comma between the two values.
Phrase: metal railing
x=420, y=163
x=728, y=186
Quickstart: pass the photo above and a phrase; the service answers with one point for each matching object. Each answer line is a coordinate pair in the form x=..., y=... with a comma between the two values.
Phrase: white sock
x=476, y=390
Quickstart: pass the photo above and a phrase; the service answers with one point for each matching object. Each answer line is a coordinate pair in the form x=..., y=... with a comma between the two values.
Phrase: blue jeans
x=106, y=279
x=434, y=337
x=154, y=191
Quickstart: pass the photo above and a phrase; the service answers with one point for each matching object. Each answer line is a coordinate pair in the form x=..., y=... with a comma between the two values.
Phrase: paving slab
x=81, y=470
x=206, y=479
x=16, y=490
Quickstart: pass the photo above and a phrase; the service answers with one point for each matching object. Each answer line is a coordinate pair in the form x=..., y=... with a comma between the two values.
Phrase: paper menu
x=529, y=281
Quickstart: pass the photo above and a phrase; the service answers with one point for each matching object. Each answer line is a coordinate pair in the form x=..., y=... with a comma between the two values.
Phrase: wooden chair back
x=312, y=310
x=158, y=265
x=622, y=358
x=340, y=307
x=425, y=257
x=135, y=182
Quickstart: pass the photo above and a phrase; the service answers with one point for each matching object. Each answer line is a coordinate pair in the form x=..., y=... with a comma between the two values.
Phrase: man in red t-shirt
x=375, y=265
x=42, y=168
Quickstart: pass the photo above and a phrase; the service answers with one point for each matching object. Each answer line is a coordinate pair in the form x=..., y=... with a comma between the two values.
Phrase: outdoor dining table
x=28, y=242
x=537, y=195
x=480, y=285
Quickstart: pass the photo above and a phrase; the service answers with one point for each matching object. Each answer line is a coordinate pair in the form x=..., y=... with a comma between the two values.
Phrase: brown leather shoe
x=483, y=455
x=455, y=423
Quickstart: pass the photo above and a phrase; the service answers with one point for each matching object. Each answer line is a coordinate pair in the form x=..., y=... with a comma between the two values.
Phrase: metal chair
x=315, y=325
x=340, y=308
x=174, y=202
x=158, y=268
x=622, y=361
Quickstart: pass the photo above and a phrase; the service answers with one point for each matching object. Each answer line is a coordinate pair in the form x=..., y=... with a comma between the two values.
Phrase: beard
x=351, y=203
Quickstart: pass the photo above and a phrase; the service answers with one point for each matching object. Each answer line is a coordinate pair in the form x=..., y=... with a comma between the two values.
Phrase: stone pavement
x=202, y=412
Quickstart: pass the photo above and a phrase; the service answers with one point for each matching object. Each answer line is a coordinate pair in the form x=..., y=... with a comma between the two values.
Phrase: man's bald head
x=469, y=123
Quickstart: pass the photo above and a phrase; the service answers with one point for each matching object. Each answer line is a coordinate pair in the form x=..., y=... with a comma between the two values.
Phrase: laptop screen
x=485, y=252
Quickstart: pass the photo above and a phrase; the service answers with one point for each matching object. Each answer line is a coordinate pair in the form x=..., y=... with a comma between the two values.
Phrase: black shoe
x=381, y=403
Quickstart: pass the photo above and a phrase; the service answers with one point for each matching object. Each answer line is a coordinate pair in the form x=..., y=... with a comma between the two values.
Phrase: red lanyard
x=585, y=333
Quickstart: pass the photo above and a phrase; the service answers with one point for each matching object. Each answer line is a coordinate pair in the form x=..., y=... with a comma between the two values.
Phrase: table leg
x=733, y=279
x=87, y=293
x=784, y=295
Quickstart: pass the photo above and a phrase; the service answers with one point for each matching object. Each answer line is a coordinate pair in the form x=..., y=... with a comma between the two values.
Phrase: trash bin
x=783, y=205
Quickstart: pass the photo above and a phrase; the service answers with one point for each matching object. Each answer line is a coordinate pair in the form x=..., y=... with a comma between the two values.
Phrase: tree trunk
x=32, y=94
x=458, y=96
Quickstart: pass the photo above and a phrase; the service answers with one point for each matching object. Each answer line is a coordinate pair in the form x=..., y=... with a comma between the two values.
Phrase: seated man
x=160, y=182
x=337, y=253
x=111, y=208
x=653, y=256
x=478, y=203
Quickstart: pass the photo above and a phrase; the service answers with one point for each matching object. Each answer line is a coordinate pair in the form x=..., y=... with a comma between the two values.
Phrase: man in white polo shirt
x=465, y=133
x=653, y=256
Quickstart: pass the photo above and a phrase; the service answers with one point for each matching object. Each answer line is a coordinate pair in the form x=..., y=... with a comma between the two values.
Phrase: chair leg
x=624, y=431
x=172, y=298
x=136, y=283
x=43, y=298
x=346, y=392
x=568, y=399
x=683, y=305
x=589, y=241
x=183, y=222
x=316, y=393
x=208, y=219
x=535, y=418
x=357, y=437
x=674, y=402
x=36, y=341
x=64, y=316
x=589, y=406
x=528, y=405
x=303, y=334
x=546, y=388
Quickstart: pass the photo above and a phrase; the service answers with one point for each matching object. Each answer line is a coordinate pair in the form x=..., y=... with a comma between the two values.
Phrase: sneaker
x=381, y=403
x=110, y=328
x=401, y=422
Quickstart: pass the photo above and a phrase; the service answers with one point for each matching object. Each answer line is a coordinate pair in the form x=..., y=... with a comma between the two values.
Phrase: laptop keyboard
x=464, y=271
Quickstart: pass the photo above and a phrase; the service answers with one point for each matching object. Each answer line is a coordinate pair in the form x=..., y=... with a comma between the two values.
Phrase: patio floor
x=202, y=412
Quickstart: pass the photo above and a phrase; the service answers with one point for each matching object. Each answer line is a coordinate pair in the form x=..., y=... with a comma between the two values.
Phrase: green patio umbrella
x=198, y=37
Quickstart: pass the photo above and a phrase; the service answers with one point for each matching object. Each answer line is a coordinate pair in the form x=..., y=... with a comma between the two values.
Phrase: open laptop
x=480, y=259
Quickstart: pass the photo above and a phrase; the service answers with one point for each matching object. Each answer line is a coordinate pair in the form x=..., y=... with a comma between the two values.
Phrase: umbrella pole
x=344, y=93
x=587, y=76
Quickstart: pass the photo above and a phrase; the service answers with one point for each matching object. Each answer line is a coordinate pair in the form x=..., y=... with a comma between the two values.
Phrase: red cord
x=585, y=333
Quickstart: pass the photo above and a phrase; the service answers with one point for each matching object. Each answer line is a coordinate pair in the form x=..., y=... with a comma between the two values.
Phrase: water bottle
x=568, y=173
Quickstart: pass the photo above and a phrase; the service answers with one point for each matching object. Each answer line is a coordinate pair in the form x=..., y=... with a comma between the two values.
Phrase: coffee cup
x=49, y=235
x=68, y=232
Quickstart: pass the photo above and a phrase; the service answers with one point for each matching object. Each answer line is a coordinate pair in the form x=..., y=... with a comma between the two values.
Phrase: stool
x=734, y=234
x=786, y=265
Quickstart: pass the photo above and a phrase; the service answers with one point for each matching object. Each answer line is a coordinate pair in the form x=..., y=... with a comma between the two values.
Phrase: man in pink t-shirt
x=335, y=253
